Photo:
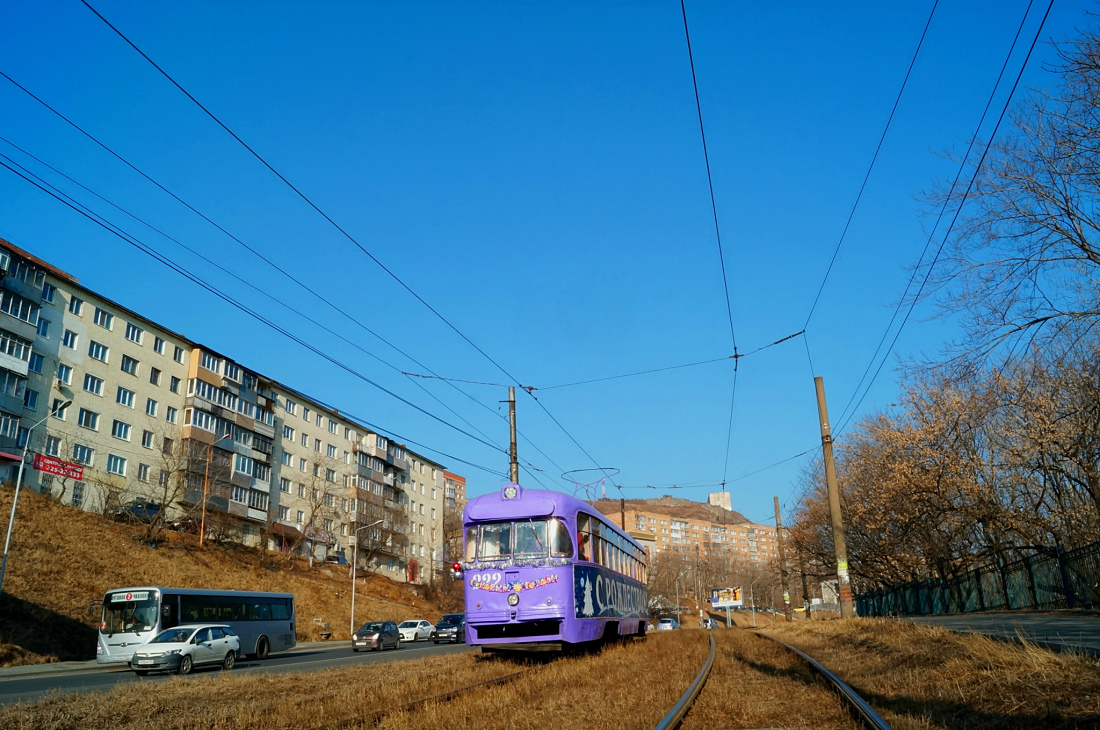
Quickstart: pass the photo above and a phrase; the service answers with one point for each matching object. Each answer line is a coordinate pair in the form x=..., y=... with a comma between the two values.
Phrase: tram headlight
x=513, y=599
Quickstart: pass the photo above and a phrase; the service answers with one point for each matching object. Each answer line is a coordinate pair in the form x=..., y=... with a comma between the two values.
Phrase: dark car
x=185, y=525
x=452, y=628
x=376, y=635
x=144, y=512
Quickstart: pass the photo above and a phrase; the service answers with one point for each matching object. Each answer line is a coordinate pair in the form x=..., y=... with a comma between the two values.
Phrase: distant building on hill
x=157, y=417
x=720, y=499
x=696, y=529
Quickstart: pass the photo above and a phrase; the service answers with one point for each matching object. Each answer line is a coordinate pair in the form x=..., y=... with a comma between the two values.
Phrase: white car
x=415, y=630
x=188, y=646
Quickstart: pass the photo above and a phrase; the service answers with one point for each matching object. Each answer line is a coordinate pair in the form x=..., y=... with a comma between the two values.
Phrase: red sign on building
x=56, y=466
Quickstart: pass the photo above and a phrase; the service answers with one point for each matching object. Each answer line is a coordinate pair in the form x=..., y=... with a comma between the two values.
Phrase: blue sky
x=534, y=172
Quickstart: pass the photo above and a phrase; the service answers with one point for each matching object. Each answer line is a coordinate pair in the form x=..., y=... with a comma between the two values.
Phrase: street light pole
x=18, y=482
x=354, y=564
x=752, y=599
x=206, y=486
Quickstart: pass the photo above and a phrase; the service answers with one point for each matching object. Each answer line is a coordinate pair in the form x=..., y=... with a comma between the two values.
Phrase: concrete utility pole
x=513, y=470
x=783, y=575
x=839, y=544
x=806, y=597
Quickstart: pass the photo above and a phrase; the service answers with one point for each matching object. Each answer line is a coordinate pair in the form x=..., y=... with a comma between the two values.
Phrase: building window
x=143, y=472
x=134, y=333
x=301, y=517
x=317, y=445
x=69, y=339
x=65, y=373
x=76, y=306
x=331, y=426
x=291, y=407
x=301, y=465
x=151, y=408
x=210, y=362
x=331, y=451
x=116, y=465
x=104, y=319
x=83, y=454
x=284, y=512
x=121, y=430
x=232, y=371
x=288, y=433
x=284, y=484
x=328, y=525
x=92, y=384
x=30, y=400
x=147, y=439
x=125, y=397
x=158, y=345
x=318, y=420
x=302, y=492
x=154, y=376
x=129, y=365
x=58, y=413
x=48, y=291
x=97, y=351
x=166, y=445
x=330, y=475
x=288, y=460
x=43, y=328
x=53, y=446
x=178, y=354
x=35, y=363
x=170, y=414
x=174, y=384
x=88, y=419
x=305, y=439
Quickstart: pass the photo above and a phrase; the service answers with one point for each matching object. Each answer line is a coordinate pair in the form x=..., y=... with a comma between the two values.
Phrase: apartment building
x=151, y=415
x=740, y=542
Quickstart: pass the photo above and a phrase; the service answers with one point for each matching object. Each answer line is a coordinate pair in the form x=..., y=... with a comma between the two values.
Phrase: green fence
x=1046, y=580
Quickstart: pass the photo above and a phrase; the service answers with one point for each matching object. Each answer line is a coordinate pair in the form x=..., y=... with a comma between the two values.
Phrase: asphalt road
x=310, y=659
x=1081, y=632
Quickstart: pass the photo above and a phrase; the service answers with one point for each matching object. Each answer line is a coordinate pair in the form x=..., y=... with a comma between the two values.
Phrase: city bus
x=129, y=617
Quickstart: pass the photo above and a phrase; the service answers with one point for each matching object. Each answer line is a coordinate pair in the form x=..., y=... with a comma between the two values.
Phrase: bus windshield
x=129, y=613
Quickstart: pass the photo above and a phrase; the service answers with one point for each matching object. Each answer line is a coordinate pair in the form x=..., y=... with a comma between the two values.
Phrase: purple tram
x=543, y=569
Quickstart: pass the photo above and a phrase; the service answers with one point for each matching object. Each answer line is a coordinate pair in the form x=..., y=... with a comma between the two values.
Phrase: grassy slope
x=62, y=558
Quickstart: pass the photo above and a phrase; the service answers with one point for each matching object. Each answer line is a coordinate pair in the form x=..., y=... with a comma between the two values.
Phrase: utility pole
x=622, y=513
x=513, y=470
x=783, y=575
x=839, y=545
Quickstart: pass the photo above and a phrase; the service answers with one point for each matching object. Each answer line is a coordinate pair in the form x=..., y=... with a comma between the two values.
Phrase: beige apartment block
x=155, y=417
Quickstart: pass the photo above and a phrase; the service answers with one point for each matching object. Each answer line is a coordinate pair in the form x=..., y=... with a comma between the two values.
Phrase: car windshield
x=452, y=619
x=172, y=636
x=371, y=628
x=666, y=620
x=129, y=613
x=409, y=624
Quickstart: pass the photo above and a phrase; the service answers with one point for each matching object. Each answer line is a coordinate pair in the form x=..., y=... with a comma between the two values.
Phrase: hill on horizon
x=675, y=507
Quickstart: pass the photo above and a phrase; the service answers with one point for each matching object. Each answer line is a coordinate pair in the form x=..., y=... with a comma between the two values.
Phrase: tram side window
x=496, y=541
x=560, y=544
x=584, y=538
x=471, y=543
x=599, y=550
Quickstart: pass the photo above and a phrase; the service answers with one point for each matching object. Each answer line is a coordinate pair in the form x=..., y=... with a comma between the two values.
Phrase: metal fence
x=1046, y=580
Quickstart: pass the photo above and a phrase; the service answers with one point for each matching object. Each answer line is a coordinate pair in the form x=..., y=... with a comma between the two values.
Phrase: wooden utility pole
x=513, y=470
x=807, y=599
x=622, y=513
x=783, y=575
x=839, y=545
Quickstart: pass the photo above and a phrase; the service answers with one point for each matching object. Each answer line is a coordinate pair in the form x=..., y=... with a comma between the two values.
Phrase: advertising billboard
x=726, y=597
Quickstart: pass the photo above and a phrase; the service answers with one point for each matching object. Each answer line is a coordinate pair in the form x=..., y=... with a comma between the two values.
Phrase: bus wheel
x=262, y=648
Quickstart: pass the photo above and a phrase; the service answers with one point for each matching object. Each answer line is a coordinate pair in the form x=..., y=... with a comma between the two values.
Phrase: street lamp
x=206, y=485
x=753, y=600
x=18, y=482
x=354, y=564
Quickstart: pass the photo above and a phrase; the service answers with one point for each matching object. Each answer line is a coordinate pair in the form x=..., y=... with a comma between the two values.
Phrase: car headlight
x=355, y=637
x=170, y=652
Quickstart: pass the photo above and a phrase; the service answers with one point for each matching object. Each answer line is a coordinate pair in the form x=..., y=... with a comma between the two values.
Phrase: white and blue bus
x=129, y=617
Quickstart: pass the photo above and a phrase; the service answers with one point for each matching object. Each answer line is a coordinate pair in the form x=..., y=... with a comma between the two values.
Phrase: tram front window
x=531, y=538
x=496, y=541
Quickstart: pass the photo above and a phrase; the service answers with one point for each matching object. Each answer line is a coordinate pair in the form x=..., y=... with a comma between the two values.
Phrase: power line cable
x=874, y=158
x=958, y=211
x=138, y=244
x=939, y=217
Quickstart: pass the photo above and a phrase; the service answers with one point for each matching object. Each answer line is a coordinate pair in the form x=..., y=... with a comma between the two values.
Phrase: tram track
x=859, y=709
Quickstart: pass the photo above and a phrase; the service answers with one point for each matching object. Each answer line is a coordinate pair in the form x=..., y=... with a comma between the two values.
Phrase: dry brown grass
x=757, y=683
x=63, y=558
x=927, y=677
x=626, y=686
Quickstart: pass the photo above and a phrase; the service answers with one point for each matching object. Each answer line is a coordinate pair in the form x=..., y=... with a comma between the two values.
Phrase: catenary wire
x=334, y=224
x=874, y=158
x=958, y=211
x=718, y=238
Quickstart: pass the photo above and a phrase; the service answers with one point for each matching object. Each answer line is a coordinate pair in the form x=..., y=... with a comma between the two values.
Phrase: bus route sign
x=56, y=466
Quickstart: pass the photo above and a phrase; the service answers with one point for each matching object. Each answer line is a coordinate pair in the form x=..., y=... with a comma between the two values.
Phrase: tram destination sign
x=51, y=465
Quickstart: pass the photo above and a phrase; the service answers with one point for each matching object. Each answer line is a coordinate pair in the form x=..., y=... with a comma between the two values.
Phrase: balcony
x=399, y=464
x=14, y=364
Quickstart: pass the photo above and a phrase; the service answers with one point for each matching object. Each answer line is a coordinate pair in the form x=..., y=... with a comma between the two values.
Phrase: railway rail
x=861, y=711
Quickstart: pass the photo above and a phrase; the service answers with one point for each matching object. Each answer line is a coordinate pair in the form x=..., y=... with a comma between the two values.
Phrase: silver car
x=376, y=635
x=185, y=647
